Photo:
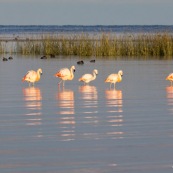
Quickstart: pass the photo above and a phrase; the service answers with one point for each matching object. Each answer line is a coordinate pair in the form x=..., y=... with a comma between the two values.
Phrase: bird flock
x=68, y=74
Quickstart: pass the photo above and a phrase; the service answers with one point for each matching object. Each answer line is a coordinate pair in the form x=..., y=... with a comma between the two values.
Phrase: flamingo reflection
x=32, y=97
x=89, y=110
x=114, y=100
x=90, y=97
x=169, y=95
x=114, y=104
x=65, y=101
x=66, y=119
x=33, y=103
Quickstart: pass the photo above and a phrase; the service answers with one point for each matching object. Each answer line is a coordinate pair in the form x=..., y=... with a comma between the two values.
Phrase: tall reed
x=106, y=44
x=3, y=47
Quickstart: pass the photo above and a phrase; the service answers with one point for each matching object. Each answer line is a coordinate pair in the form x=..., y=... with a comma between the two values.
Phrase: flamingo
x=32, y=76
x=65, y=74
x=170, y=78
x=114, y=78
x=87, y=78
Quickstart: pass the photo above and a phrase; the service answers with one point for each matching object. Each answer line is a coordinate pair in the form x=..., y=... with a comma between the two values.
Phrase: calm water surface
x=86, y=129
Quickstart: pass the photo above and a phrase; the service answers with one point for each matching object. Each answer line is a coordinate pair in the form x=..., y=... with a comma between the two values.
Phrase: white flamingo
x=114, y=78
x=87, y=78
x=65, y=74
x=32, y=76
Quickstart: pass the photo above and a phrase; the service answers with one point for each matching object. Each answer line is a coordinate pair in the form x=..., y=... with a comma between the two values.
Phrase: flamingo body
x=114, y=78
x=170, y=78
x=32, y=76
x=87, y=78
x=65, y=74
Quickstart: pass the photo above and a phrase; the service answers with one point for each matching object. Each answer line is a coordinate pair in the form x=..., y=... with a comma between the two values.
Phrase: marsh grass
x=141, y=45
x=2, y=47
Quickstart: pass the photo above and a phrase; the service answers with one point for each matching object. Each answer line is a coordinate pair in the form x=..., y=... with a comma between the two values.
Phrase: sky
x=86, y=12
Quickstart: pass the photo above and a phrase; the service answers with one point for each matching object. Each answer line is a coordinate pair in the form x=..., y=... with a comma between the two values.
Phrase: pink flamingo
x=114, y=78
x=32, y=76
x=87, y=78
x=65, y=74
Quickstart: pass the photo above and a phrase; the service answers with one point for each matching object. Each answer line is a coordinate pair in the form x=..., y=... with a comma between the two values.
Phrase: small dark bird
x=80, y=62
x=10, y=58
x=52, y=55
x=43, y=57
x=93, y=60
x=5, y=59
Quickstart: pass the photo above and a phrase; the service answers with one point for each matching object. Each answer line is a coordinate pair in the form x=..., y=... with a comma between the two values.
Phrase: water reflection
x=169, y=95
x=33, y=103
x=89, y=112
x=66, y=119
x=90, y=98
x=65, y=100
x=114, y=100
x=114, y=107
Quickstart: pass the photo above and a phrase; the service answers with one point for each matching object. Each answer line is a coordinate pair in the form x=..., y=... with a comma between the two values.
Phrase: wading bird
x=65, y=74
x=32, y=76
x=114, y=78
x=170, y=78
x=87, y=78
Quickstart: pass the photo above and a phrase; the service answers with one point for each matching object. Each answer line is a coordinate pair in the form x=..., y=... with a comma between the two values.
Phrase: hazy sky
x=86, y=12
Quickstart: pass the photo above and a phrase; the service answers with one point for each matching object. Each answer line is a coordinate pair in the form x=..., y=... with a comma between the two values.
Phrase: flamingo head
x=120, y=73
x=40, y=71
x=95, y=71
x=73, y=68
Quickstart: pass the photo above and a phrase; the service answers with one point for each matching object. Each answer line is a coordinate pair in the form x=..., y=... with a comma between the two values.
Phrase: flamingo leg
x=59, y=82
x=110, y=85
x=115, y=86
x=63, y=83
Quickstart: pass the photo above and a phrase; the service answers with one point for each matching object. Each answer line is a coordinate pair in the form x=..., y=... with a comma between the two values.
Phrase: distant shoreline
x=71, y=36
x=35, y=30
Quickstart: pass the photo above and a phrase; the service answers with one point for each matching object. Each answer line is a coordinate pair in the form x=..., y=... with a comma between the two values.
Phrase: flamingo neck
x=72, y=75
x=38, y=75
x=120, y=77
x=94, y=75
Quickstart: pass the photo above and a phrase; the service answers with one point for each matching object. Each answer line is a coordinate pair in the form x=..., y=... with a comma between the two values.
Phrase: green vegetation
x=140, y=45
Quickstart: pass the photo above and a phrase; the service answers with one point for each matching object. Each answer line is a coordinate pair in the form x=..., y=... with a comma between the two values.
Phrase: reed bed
x=128, y=45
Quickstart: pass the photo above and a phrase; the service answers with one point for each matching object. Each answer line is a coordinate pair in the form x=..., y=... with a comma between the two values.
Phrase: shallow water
x=88, y=129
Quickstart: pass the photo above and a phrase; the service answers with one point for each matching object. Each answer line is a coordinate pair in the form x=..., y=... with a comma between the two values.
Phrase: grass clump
x=158, y=44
